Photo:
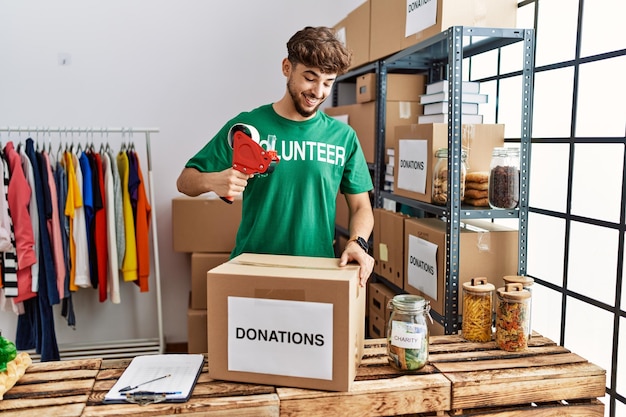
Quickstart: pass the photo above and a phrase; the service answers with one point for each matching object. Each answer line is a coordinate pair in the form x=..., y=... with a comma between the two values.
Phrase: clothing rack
x=125, y=348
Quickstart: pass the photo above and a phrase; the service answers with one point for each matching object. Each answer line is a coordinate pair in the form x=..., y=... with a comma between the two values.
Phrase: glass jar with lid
x=512, y=317
x=527, y=283
x=440, y=176
x=477, y=310
x=504, y=178
x=407, y=332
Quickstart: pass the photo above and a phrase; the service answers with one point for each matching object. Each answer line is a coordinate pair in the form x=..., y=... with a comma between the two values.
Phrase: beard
x=297, y=99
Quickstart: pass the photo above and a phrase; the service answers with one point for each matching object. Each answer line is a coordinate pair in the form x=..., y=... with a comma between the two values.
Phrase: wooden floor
x=462, y=378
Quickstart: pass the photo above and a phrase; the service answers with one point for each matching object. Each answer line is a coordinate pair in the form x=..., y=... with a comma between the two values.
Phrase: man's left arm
x=360, y=226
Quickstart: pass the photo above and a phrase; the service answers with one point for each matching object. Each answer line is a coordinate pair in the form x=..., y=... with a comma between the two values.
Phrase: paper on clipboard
x=183, y=371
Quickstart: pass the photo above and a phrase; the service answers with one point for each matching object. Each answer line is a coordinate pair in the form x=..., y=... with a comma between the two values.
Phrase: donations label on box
x=413, y=165
x=420, y=14
x=422, y=266
x=280, y=337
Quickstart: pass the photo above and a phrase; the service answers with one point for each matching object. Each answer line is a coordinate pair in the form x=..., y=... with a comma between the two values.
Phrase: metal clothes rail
x=125, y=348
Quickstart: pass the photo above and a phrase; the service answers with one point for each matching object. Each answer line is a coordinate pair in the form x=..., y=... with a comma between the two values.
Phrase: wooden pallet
x=462, y=378
x=52, y=389
x=544, y=380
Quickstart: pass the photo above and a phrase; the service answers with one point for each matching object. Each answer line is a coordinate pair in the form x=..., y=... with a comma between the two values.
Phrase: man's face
x=308, y=87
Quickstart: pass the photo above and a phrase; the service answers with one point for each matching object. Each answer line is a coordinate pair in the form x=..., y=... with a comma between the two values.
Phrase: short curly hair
x=318, y=47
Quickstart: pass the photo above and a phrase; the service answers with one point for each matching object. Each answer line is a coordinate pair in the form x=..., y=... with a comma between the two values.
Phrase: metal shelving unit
x=441, y=56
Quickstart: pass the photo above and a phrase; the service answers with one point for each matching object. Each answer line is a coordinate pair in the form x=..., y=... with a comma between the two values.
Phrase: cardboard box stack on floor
x=206, y=229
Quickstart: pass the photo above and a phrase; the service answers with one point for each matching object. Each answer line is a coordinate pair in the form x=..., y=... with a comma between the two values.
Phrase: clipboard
x=157, y=378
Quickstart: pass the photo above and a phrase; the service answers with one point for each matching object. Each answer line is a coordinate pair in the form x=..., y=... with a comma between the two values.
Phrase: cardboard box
x=400, y=87
x=485, y=250
x=394, y=26
x=362, y=118
x=201, y=263
x=389, y=245
x=203, y=224
x=354, y=31
x=285, y=320
x=196, y=331
x=377, y=327
x=378, y=297
x=418, y=143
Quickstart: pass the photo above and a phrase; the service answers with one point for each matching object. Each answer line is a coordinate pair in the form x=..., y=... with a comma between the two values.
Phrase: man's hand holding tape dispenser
x=290, y=160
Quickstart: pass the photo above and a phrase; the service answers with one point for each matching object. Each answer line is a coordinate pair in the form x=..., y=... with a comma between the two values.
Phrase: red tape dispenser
x=248, y=156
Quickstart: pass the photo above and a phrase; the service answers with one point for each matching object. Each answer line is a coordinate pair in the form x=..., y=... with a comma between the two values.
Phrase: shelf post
x=453, y=212
x=525, y=143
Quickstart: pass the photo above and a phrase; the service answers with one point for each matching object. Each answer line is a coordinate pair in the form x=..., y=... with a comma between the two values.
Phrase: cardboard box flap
x=287, y=266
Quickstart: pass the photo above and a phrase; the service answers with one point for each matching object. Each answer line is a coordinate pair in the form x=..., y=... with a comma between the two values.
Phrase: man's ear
x=287, y=67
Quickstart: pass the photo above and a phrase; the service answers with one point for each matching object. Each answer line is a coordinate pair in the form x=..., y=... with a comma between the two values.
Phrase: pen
x=140, y=393
x=129, y=388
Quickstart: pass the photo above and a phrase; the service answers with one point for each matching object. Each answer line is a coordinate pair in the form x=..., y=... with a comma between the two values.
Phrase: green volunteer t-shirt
x=292, y=210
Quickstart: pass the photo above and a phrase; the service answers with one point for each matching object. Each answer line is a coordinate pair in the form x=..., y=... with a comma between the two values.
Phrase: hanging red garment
x=142, y=226
x=19, y=194
x=100, y=237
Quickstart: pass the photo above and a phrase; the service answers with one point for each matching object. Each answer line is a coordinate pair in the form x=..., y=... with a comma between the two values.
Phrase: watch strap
x=361, y=242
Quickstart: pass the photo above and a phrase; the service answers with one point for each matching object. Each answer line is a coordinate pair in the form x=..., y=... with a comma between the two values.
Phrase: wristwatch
x=361, y=242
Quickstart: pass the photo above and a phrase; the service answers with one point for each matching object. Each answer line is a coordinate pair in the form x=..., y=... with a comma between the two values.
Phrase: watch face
x=362, y=243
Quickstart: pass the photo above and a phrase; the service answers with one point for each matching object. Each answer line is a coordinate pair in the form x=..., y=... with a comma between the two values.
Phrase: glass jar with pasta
x=527, y=283
x=512, y=317
x=477, y=310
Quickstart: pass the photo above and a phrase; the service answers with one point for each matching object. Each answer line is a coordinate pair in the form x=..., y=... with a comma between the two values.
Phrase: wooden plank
x=584, y=408
x=495, y=362
x=265, y=405
x=66, y=410
x=570, y=385
x=407, y=394
x=59, y=388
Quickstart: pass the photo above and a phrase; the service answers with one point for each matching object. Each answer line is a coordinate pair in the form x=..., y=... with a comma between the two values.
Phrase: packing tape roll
x=247, y=129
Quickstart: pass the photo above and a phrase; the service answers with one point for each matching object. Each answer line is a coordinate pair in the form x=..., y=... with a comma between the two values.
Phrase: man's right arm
x=227, y=183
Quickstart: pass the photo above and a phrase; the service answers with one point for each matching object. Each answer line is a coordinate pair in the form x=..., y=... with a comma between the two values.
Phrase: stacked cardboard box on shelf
x=205, y=228
x=418, y=246
x=486, y=250
x=415, y=147
x=402, y=107
x=379, y=28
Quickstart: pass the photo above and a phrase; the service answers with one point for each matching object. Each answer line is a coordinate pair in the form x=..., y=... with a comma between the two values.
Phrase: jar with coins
x=477, y=310
x=407, y=332
x=440, y=176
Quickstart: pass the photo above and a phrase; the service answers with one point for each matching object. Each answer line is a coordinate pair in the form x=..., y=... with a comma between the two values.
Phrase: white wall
x=184, y=66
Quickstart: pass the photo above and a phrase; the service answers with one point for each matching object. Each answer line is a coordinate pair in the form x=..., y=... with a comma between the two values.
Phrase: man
x=292, y=210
